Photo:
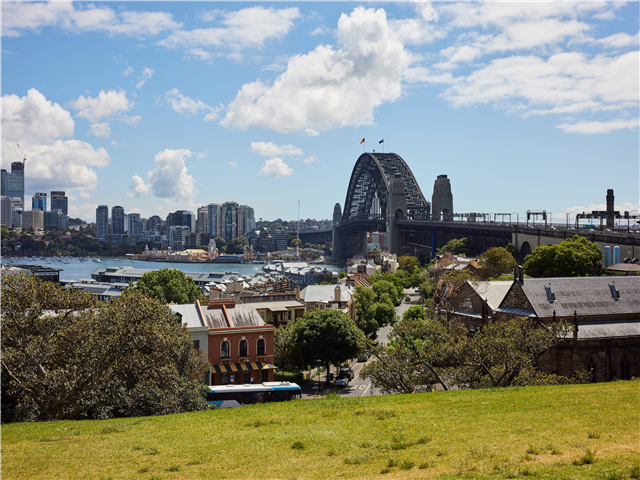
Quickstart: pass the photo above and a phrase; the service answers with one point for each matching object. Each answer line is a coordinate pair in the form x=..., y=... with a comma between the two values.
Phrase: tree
x=237, y=245
x=329, y=336
x=374, y=312
x=66, y=356
x=408, y=263
x=287, y=355
x=416, y=312
x=573, y=257
x=458, y=246
x=383, y=286
x=167, y=285
x=495, y=262
x=221, y=244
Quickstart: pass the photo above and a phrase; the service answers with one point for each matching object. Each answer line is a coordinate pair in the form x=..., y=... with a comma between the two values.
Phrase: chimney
x=518, y=274
x=336, y=293
x=298, y=293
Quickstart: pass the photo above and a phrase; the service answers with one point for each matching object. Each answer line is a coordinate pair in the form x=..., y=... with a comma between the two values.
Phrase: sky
x=161, y=106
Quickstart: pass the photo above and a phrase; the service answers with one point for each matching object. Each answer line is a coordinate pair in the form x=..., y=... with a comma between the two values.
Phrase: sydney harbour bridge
x=384, y=196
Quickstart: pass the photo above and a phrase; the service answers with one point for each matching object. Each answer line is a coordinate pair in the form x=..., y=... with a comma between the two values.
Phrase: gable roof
x=492, y=292
x=324, y=293
x=587, y=296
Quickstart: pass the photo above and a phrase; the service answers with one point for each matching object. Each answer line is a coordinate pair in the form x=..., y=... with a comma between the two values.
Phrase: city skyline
x=160, y=107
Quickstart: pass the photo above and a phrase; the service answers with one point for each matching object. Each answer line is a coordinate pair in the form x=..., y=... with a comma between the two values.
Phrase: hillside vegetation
x=575, y=431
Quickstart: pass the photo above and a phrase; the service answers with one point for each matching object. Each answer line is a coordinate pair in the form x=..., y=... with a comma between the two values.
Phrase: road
x=359, y=387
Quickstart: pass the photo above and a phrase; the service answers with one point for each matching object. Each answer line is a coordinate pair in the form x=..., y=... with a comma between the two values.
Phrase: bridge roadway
x=420, y=235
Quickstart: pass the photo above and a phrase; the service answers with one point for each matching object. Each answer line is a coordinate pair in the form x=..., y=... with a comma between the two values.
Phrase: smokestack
x=610, y=208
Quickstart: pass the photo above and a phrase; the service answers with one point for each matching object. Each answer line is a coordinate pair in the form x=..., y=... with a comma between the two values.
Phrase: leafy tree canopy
x=221, y=244
x=573, y=257
x=408, y=263
x=326, y=335
x=66, y=356
x=167, y=285
x=459, y=246
x=495, y=262
x=237, y=245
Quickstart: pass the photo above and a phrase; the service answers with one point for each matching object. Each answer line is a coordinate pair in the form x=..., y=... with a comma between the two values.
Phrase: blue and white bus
x=229, y=396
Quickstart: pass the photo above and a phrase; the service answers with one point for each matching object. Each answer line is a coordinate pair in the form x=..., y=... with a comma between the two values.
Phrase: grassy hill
x=578, y=431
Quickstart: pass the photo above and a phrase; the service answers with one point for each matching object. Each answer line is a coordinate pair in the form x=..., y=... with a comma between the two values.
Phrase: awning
x=241, y=367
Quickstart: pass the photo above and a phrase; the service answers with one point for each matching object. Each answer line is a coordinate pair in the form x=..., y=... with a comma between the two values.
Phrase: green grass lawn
x=577, y=431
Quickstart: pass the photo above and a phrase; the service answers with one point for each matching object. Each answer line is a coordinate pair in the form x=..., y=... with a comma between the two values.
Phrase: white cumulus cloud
x=275, y=168
x=269, y=149
x=185, y=104
x=329, y=87
x=128, y=71
x=147, y=73
x=311, y=159
x=599, y=127
x=101, y=130
x=168, y=179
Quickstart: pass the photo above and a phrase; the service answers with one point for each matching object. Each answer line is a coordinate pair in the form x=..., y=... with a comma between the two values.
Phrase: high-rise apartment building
x=248, y=219
x=202, y=219
x=102, y=223
x=59, y=201
x=156, y=224
x=134, y=226
x=117, y=220
x=5, y=211
x=39, y=201
x=33, y=219
x=177, y=237
x=231, y=221
x=213, y=219
x=13, y=183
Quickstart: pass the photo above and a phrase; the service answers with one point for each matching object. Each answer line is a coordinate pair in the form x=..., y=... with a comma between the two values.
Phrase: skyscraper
x=231, y=221
x=102, y=223
x=117, y=220
x=202, y=219
x=3, y=182
x=39, y=201
x=14, y=181
x=248, y=219
x=59, y=201
x=134, y=224
x=213, y=219
x=5, y=211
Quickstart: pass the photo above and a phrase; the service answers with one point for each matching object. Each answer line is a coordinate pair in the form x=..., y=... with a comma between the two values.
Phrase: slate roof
x=592, y=331
x=324, y=293
x=492, y=292
x=589, y=296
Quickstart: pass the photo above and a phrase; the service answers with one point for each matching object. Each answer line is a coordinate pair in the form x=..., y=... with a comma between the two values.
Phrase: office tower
x=231, y=221
x=39, y=201
x=248, y=220
x=3, y=182
x=202, y=219
x=156, y=224
x=102, y=223
x=213, y=219
x=134, y=225
x=59, y=201
x=5, y=211
x=177, y=237
x=14, y=181
x=117, y=220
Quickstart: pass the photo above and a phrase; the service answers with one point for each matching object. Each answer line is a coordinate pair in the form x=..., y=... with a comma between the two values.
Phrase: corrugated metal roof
x=214, y=318
x=492, y=292
x=244, y=316
x=278, y=306
x=324, y=293
x=517, y=311
x=190, y=315
x=588, y=296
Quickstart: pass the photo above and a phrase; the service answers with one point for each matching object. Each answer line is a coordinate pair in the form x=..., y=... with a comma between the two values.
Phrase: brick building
x=235, y=339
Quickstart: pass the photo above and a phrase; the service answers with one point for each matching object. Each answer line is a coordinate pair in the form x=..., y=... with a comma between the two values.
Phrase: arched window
x=261, y=346
x=625, y=368
x=591, y=368
x=224, y=349
x=243, y=348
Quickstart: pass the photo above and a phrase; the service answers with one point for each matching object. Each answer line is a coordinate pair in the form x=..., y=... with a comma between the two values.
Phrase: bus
x=229, y=396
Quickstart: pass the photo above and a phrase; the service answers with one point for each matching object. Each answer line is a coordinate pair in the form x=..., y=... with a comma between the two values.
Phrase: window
x=550, y=294
x=265, y=376
x=196, y=344
x=246, y=377
x=289, y=315
x=224, y=379
x=615, y=293
x=625, y=368
x=224, y=349
x=243, y=348
x=261, y=346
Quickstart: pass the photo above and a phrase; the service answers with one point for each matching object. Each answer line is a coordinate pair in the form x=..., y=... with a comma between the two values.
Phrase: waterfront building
x=102, y=223
x=155, y=224
x=39, y=201
x=177, y=237
x=60, y=201
x=117, y=220
x=248, y=219
x=281, y=239
x=134, y=224
x=33, y=219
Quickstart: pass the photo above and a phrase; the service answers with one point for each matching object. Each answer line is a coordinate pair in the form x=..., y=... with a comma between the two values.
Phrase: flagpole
x=365, y=147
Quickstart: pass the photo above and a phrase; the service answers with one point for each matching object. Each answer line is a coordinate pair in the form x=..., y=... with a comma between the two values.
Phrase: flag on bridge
x=362, y=141
x=381, y=141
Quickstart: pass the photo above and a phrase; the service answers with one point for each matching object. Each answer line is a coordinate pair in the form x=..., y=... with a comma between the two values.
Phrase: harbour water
x=76, y=270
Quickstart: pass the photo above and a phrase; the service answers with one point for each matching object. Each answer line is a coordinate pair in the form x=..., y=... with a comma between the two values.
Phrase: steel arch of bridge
x=370, y=180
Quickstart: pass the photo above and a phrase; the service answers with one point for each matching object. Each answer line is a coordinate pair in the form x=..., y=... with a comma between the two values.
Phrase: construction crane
x=24, y=157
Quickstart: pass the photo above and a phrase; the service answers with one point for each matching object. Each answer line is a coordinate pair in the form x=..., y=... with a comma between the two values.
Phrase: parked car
x=407, y=298
x=341, y=381
x=346, y=371
x=364, y=357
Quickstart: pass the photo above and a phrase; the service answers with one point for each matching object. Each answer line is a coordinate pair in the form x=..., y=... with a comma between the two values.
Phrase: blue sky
x=159, y=106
